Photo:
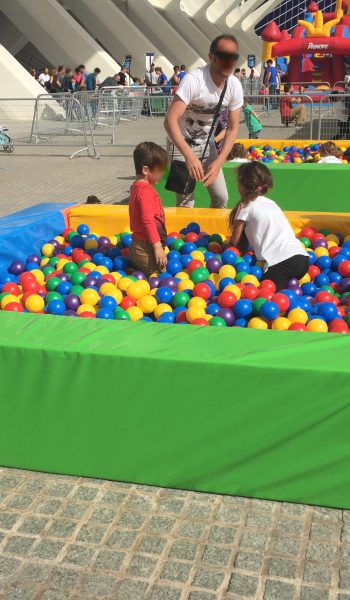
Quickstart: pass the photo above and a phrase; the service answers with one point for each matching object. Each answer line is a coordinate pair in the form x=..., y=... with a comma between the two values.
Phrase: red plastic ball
x=31, y=285
x=191, y=237
x=268, y=284
x=215, y=248
x=318, y=236
x=344, y=268
x=297, y=327
x=109, y=278
x=127, y=302
x=333, y=251
x=181, y=317
x=307, y=232
x=266, y=293
x=175, y=235
x=194, y=264
x=200, y=322
x=11, y=288
x=338, y=326
x=324, y=297
x=14, y=307
x=282, y=302
x=250, y=292
x=25, y=276
x=87, y=315
x=226, y=299
x=202, y=290
x=313, y=271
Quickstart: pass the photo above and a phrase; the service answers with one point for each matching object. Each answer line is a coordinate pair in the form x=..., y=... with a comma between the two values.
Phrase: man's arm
x=229, y=140
x=171, y=124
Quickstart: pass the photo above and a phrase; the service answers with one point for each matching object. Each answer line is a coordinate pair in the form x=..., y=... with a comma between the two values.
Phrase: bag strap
x=216, y=114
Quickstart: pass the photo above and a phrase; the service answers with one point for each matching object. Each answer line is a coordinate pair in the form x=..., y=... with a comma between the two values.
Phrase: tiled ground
x=67, y=538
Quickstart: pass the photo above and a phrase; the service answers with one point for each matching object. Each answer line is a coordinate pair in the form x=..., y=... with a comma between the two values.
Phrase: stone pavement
x=69, y=538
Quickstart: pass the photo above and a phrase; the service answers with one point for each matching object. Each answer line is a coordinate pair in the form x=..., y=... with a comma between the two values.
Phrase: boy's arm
x=147, y=219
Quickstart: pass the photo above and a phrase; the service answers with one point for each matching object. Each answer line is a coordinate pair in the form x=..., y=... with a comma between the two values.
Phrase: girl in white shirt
x=330, y=153
x=237, y=153
x=260, y=222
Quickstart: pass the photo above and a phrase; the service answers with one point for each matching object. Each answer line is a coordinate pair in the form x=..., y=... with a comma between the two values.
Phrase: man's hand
x=194, y=167
x=212, y=173
x=160, y=255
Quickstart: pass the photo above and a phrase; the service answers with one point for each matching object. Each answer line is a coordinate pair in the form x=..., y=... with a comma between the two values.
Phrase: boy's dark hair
x=225, y=36
x=183, y=67
x=255, y=179
x=330, y=149
x=176, y=67
x=269, y=62
x=97, y=70
x=238, y=70
x=237, y=151
x=93, y=200
x=287, y=87
x=149, y=154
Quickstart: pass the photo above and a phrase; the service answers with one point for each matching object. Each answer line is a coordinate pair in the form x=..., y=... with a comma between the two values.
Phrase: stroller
x=5, y=140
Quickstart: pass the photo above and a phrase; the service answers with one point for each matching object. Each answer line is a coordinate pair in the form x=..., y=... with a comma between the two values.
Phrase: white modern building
x=100, y=33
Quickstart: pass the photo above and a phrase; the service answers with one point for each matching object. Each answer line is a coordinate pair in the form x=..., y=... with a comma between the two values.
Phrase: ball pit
x=207, y=283
x=290, y=153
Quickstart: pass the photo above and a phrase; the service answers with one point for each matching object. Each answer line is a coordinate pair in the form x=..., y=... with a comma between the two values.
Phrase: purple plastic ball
x=89, y=281
x=227, y=315
x=72, y=302
x=70, y=313
x=55, y=243
x=16, y=268
x=214, y=264
x=139, y=275
x=63, y=276
x=293, y=284
x=103, y=241
x=319, y=244
x=345, y=285
x=298, y=291
x=154, y=282
x=33, y=258
x=168, y=282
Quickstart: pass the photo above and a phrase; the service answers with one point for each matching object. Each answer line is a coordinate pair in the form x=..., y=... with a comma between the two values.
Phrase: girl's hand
x=160, y=255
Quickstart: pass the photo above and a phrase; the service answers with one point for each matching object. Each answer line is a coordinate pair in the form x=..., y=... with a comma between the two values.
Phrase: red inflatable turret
x=271, y=33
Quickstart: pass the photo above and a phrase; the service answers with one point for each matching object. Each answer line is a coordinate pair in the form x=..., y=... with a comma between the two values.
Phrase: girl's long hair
x=254, y=179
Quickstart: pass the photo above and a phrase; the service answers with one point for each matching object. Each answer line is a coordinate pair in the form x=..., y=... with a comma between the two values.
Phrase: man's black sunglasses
x=234, y=56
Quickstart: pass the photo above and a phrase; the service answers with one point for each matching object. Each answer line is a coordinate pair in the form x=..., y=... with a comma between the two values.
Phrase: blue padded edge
x=23, y=233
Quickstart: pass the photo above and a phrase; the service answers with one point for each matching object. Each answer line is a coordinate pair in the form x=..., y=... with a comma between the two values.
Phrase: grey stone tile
x=91, y=534
x=114, y=498
x=110, y=560
x=243, y=585
x=328, y=514
x=103, y=515
x=62, y=528
x=260, y=520
x=159, y=524
x=132, y=589
x=195, y=510
x=86, y=493
x=312, y=593
x=35, y=572
x=229, y=514
x=215, y=555
x=7, y=520
x=222, y=535
x=319, y=573
x=122, y=538
x=248, y=561
x=19, y=545
x=283, y=567
x=8, y=566
x=20, y=592
x=209, y=579
x=345, y=556
x=176, y=571
x=320, y=552
x=47, y=549
x=342, y=597
x=141, y=502
x=195, y=595
x=254, y=539
x=33, y=486
x=98, y=584
x=344, y=579
x=276, y=590
x=54, y=595
x=63, y=578
x=287, y=546
x=170, y=505
x=33, y=525
x=59, y=490
x=293, y=509
x=20, y=502
x=162, y=592
x=183, y=549
x=152, y=544
x=325, y=531
x=10, y=481
x=131, y=520
x=74, y=510
x=289, y=526
x=191, y=530
x=142, y=566
x=79, y=555
x=48, y=507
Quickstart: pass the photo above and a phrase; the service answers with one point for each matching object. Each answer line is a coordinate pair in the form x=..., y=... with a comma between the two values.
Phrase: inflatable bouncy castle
x=318, y=48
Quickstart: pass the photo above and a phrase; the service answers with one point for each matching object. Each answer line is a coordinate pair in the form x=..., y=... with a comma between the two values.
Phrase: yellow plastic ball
x=107, y=288
x=44, y=262
x=91, y=244
x=195, y=312
x=234, y=289
x=116, y=276
x=116, y=294
x=197, y=301
x=317, y=326
x=147, y=304
x=86, y=308
x=90, y=266
x=135, y=313
x=305, y=279
x=185, y=284
x=281, y=324
x=48, y=250
x=198, y=255
x=215, y=278
x=9, y=298
x=297, y=315
x=227, y=271
x=145, y=285
x=162, y=308
x=61, y=263
x=113, y=239
x=321, y=252
x=223, y=236
x=332, y=238
x=182, y=275
x=136, y=290
x=90, y=297
x=59, y=239
x=298, y=160
x=39, y=276
x=250, y=279
x=34, y=303
x=257, y=323
x=124, y=283
x=101, y=269
x=332, y=244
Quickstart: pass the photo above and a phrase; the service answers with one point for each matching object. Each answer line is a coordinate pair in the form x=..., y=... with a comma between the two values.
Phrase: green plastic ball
x=70, y=268
x=217, y=322
x=305, y=241
x=52, y=296
x=52, y=283
x=180, y=299
x=257, y=304
x=200, y=274
x=121, y=315
x=76, y=290
x=177, y=244
x=77, y=278
x=48, y=269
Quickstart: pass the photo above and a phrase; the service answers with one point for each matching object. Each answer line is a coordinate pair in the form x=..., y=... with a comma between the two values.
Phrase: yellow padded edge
x=108, y=220
x=279, y=144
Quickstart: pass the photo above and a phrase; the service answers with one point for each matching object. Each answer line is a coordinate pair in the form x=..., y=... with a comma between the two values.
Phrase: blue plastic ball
x=105, y=313
x=243, y=308
x=328, y=311
x=229, y=257
x=164, y=295
x=269, y=310
x=108, y=302
x=83, y=229
x=56, y=307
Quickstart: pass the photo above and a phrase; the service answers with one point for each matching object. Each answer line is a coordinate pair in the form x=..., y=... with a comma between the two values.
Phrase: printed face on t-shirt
x=198, y=120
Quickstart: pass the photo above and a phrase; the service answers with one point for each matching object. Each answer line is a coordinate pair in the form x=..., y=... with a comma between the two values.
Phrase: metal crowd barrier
x=17, y=114
x=334, y=117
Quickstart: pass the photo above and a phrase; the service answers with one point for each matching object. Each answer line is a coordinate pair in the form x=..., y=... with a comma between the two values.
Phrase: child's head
x=150, y=161
x=287, y=87
x=237, y=151
x=329, y=149
x=253, y=179
x=93, y=200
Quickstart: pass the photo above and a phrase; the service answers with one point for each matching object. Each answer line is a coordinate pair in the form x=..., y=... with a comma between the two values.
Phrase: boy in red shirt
x=147, y=219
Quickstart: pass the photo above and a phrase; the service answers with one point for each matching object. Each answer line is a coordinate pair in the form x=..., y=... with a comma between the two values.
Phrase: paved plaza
x=69, y=538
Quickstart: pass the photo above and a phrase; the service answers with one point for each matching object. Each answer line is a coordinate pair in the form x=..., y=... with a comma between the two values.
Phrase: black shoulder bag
x=179, y=180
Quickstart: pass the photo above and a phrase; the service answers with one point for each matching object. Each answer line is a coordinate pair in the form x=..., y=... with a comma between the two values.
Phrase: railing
x=333, y=117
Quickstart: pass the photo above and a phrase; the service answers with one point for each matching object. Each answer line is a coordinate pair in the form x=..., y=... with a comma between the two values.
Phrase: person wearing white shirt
x=260, y=221
x=44, y=77
x=330, y=153
x=191, y=114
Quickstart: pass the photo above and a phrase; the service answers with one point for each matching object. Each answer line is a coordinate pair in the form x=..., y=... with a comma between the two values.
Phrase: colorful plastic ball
x=214, y=264
x=121, y=315
x=34, y=303
x=48, y=250
x=297, y=315
x=338, y=326
x=147, y=304
x=83, y=229
x=56, y=307
x=269, y=310
x=317, y=326
x=227, y=315
x=199, y=274
x=14, y=307
x=243, y=308
x=229, y=257
x=217, y=322
x=226, y=299
x=161, y=308
x=297, y=327
x=164, y=294
x=89, y=296
x=105, y=313
x=281, y=324
x=136, y=289
x=180, y=299
x=135, y=313
x=257, y=323
x=328, y=311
